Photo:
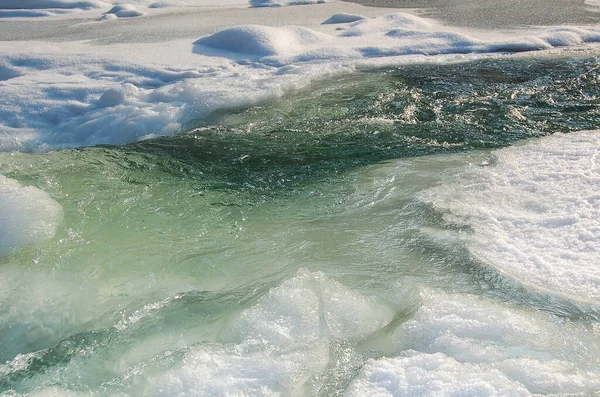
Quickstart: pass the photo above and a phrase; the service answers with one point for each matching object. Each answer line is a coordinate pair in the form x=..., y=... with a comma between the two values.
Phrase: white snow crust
x=275, y=346
x=535, y=213
x=65, y=94
x=464, y=345
x=343, y=17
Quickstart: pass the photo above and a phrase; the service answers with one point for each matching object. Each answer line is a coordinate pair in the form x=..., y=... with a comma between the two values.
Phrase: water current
x=288, y=249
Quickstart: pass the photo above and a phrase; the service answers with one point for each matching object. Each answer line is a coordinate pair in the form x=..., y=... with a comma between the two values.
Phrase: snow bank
x=535, y=214
x=41, y=4
x=121, y=9
x=70, y=95
x=28, y=216
x=46, y=8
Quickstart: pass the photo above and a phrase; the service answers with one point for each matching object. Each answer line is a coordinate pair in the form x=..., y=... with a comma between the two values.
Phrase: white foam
x=28, y=216
x=467, y=345
x=535, y=213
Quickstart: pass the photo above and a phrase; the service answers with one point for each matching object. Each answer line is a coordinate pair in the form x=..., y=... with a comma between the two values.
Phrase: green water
x=166, y=242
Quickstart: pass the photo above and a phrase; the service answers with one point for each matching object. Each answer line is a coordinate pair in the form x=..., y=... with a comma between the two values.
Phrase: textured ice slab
x=274, y=347
x=535, y=212
x=463, y=345
x=28, y=216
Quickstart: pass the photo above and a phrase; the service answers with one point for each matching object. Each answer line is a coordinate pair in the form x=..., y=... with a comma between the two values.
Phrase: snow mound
x=117, y=96
x=535, y=213
x=343, y=18
x=28, y=216
x=387, y=23
x=261, y=41
x=166, y=4
x=46, y=8
x=7, y=72
x=122, y=11
x=47, y=4
x=280, y=3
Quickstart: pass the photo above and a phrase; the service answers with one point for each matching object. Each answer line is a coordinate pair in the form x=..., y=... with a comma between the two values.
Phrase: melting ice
x=267, y=219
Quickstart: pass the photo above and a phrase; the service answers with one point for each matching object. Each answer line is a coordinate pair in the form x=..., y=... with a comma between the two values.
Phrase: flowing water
x=307, y=247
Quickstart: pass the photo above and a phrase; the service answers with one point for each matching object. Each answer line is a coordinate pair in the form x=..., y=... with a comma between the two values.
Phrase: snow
x=122, y=11
x=343, y=17
x=535, y=213
x=279, y=3
x=135, y=84
x=261, y=41
x=40, y=4
x=464, y=345
x=275, y=346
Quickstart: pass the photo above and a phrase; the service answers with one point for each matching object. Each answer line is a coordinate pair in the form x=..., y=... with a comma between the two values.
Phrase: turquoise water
x=286, y=244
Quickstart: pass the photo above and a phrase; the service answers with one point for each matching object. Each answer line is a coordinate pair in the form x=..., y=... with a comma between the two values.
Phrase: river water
x=424, y=230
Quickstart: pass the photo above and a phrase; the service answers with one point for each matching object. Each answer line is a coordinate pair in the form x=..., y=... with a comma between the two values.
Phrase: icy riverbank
x=138, y=71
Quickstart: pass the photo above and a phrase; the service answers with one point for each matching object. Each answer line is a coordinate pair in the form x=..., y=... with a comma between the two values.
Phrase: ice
x=421, y=374
x=306, y=308
x=535, y=213
x=70, y=94
x=275, y=346
x=137, y=83
x=466, y=345
x=28, y=216
x=115, y=96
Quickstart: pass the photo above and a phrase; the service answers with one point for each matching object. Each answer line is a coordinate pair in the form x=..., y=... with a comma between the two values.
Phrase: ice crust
x=275, y=346
x=463, y=345
x=28, y=216
x=74, y=94
x=535, y=212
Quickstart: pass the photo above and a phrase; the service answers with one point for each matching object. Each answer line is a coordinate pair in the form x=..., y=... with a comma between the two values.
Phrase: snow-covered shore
x=122, y=73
